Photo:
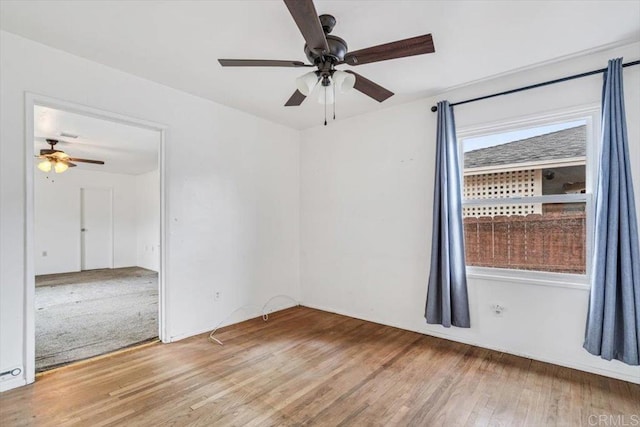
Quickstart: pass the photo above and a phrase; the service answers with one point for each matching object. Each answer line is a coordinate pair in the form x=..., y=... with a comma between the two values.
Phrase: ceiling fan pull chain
x=334, y=100
x=325, y=105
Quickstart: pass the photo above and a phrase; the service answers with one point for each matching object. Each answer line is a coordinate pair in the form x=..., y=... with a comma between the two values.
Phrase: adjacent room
x=315, y=212
x=97, y=236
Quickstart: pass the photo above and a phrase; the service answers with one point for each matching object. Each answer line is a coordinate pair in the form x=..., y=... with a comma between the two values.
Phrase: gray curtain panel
x=447, y=301
x=613, y=323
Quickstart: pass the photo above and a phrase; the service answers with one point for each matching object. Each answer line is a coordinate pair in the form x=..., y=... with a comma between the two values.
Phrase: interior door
x=96, y=231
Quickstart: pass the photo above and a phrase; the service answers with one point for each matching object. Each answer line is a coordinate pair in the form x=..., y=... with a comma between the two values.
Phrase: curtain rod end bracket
x=434, y=109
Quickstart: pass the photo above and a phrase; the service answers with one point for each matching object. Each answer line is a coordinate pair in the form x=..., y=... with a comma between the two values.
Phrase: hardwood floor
x=308, y=367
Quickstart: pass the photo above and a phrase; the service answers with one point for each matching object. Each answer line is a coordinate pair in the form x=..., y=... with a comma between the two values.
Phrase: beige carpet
x=85, y=314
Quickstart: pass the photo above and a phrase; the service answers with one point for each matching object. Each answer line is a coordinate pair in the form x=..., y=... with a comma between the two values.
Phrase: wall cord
x=265, y=315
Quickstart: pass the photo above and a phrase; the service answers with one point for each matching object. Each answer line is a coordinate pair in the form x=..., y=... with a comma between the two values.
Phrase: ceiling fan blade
x=95, y=162
x=306, y=17
x=370, y=88
x=260, y=63
x=296, y=99
x=398, y=49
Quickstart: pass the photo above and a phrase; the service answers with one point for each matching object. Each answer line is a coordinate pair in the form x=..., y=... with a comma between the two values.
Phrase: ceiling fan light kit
x=337, y=81
x=45, y=165
x=60, y=167
x=307, y=82
x=326, y=51
x=344, y=81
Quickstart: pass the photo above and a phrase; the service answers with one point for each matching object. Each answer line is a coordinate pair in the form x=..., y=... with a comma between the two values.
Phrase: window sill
x=540, y=278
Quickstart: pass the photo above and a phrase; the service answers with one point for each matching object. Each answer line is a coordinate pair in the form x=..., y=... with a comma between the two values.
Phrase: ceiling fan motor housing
x=337, y=51
x=337, y=46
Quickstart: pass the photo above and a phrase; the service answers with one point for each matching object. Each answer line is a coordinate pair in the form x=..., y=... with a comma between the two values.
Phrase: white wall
x=366, y=212
x=57, y=218
x=232, y=191
x=147, y=188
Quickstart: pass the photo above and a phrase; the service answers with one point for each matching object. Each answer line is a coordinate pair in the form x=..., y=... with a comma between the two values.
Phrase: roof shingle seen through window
x=562, y=144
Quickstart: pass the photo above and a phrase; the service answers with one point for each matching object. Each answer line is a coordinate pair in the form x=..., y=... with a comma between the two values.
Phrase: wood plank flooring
x=308, y=367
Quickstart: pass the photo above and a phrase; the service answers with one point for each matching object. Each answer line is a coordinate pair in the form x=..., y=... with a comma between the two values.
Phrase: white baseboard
x=559, y=362
x=11, y=383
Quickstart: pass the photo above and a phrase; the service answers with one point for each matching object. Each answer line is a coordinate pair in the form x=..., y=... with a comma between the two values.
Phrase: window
x=526, y=196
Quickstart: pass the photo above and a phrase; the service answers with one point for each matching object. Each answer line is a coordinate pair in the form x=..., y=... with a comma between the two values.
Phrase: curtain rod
x=550, y=82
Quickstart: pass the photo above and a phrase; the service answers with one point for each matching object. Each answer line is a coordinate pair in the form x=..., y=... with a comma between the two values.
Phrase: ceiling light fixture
x=58, y=166
x=45, y=165
x=58, y=159
x=328, y=81
x=307, y=82
x=344, y=81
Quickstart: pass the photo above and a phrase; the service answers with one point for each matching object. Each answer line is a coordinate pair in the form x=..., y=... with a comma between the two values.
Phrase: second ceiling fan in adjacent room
x=58, y=159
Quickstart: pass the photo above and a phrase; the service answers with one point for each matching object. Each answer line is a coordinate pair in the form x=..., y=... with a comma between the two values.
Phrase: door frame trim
x=31, y=101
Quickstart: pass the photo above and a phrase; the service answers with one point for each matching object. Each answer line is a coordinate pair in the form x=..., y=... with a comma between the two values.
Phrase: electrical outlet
x=497, y=310
x=216, y=296
x=44, y=253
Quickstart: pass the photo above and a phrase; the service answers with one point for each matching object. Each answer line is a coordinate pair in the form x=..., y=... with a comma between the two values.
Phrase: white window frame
x=591, y=115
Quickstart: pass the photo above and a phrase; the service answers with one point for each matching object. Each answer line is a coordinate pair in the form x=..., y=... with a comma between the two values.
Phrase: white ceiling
x=177, y=43
x=124, y=149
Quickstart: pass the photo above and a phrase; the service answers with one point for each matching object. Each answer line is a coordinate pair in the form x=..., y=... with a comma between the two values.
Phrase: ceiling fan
x=58, y=159
x=325, y=52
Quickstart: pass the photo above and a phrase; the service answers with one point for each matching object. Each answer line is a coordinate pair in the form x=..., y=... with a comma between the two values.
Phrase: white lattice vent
x=498, y=185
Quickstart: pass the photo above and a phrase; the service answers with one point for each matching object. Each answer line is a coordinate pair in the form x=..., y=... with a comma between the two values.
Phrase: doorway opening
x=97, y=234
